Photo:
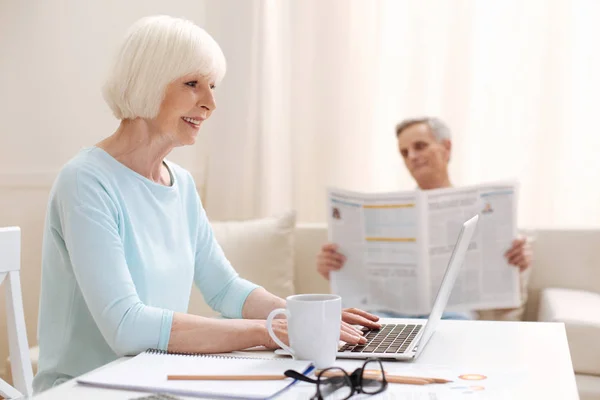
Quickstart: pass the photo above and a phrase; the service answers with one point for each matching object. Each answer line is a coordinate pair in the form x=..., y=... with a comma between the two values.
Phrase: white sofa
x=281, y=256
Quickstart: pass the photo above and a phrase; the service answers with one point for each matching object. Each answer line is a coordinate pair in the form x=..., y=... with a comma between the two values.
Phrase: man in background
x=425, y=146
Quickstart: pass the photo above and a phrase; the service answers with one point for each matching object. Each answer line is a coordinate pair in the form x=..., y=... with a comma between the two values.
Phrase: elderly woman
x=126, y=234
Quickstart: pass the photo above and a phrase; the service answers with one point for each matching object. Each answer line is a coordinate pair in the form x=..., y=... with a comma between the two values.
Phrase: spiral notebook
x=147, y=372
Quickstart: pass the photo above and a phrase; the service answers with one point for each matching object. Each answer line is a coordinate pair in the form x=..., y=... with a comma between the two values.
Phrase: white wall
x=53, y=57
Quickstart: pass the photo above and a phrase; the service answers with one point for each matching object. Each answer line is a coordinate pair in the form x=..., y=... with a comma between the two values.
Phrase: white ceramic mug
x=314, y=323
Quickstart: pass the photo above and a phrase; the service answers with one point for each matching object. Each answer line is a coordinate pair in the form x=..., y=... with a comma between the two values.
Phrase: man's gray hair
x=438, y=128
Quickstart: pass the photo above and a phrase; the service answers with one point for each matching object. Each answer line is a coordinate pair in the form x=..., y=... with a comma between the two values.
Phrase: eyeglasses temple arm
x=290, y=373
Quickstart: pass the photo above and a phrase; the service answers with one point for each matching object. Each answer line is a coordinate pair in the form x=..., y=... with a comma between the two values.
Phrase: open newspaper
x=397, y=247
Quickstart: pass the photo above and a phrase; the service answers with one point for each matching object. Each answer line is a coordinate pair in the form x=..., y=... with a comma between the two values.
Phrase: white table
x=538, y=349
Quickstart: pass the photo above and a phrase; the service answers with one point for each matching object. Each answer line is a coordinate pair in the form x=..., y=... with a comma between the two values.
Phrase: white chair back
x=10, y=265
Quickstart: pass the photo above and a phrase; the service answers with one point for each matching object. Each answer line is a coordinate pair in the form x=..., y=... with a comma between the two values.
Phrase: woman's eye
x=192, y=83
x=212, y=87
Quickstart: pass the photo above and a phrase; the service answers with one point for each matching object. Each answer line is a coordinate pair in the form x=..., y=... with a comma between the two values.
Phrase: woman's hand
x=280, y=328
x=354, y=316
x=348, y=333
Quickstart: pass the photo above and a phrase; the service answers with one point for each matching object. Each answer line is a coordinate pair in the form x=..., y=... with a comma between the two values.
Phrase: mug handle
x=270, y=318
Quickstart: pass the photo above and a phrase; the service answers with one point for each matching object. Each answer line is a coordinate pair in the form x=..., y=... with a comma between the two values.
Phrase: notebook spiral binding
x=172, y=353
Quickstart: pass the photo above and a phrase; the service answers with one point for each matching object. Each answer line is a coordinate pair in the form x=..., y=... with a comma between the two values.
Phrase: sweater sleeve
x=89, y=222
x=222, y=288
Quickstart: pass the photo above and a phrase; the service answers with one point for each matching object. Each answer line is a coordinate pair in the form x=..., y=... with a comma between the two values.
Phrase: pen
x=225, y=377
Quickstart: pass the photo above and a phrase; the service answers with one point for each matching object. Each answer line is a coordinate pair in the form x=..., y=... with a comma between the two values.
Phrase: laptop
x=407, y=341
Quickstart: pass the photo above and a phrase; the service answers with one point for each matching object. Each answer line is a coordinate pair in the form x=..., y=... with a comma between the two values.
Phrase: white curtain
x=315, y=87
x=249, y=165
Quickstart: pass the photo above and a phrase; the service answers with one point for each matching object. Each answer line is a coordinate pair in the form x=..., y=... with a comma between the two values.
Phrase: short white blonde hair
x=156, y=51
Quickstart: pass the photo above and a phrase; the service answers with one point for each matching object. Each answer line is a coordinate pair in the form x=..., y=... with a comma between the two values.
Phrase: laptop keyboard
x=391, y=338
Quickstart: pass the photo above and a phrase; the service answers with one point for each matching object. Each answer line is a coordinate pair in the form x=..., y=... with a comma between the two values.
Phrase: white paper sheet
x=148, y=372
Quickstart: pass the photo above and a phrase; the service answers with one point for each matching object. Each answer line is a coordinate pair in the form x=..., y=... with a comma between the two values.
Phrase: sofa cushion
x=566, y=258
x=260, y=250
x=588, y=386
x=580, y=312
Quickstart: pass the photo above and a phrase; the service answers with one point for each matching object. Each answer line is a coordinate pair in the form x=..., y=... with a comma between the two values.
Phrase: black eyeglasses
x=369, y=379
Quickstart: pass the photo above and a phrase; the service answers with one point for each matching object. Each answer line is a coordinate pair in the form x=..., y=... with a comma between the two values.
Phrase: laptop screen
x=456, y=261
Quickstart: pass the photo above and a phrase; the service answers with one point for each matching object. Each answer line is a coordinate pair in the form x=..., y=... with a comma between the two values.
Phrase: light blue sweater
x=119, y=256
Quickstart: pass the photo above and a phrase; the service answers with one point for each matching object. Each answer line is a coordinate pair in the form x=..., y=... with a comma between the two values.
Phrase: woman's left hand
x=349, y=334
x=354, y=316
